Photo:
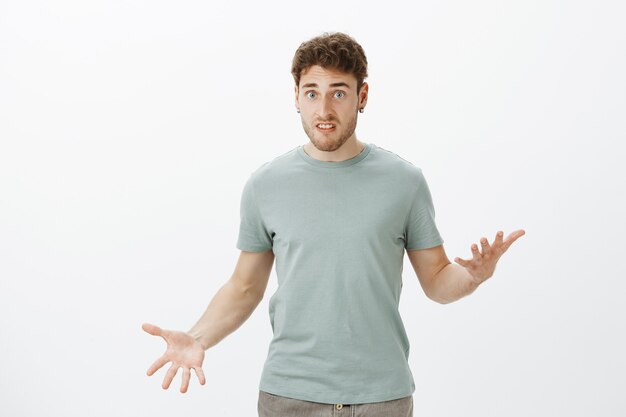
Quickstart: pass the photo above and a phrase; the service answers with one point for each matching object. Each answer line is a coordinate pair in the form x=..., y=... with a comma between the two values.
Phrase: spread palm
x=183, y=351
x=482, y=265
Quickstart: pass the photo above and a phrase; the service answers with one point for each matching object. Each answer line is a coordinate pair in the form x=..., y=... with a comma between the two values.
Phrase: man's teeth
x=325, y=126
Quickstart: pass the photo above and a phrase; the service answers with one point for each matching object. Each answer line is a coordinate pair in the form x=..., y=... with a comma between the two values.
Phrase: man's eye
x=308, y=94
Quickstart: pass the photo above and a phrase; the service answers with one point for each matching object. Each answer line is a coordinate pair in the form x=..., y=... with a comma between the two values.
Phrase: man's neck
x=347, y=151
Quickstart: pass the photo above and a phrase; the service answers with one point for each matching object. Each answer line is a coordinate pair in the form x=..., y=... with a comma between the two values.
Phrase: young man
x=337, y=214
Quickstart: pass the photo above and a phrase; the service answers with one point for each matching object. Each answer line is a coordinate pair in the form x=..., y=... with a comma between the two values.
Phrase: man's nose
x=326, y=107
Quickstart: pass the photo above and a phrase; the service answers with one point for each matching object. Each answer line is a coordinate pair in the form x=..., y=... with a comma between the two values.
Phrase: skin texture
x=483, y=264
x=183, y=351
x=331, y=104
x=228, y=310
x=445, y=282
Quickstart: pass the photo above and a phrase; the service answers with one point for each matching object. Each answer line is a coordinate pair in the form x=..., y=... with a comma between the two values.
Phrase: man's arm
x=236, y=300
x=441, y=280
x=444, y=282
x=229, y=308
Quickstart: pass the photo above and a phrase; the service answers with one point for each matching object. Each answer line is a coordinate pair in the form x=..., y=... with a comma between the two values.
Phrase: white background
x=128, y=129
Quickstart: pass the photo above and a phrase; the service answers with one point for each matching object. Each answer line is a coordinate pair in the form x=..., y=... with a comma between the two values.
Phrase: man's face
x=328, y=96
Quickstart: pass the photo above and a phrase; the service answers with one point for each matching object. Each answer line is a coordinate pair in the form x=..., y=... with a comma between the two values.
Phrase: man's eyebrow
x=341, y=84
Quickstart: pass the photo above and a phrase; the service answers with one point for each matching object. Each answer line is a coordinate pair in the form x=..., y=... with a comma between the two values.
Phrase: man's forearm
x=451, y=283
x=230, y=308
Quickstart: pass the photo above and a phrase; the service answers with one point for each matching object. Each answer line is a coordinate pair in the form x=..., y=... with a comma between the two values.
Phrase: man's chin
x=327, y=147
x=326, y=144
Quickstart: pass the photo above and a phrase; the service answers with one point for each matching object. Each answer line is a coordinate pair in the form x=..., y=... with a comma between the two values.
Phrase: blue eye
x=308, y=94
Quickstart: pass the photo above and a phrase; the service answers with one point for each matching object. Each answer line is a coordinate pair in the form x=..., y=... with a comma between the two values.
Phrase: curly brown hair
x=331, y=50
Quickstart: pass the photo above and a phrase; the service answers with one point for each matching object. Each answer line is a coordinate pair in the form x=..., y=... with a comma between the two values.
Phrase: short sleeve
x=253, y=235
x=420, y=229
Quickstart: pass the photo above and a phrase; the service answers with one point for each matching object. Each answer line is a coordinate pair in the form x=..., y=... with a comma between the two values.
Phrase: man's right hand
x=183, y=351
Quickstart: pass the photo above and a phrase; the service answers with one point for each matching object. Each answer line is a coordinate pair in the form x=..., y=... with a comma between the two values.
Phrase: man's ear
x=295, y=90
x=363, y=94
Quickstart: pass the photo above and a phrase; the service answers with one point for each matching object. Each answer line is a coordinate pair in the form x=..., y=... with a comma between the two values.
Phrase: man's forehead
x=317, y=76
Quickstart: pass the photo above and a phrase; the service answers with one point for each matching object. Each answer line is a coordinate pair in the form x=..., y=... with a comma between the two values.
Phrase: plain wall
x=127, y=131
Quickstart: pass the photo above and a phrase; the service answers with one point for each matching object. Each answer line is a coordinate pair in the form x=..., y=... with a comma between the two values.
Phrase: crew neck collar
x=335, y=164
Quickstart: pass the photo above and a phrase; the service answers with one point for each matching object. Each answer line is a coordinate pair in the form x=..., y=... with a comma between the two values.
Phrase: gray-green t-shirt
x=338, y=231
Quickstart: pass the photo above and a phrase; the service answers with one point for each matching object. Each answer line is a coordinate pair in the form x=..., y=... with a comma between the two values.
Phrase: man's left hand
x=482, y=265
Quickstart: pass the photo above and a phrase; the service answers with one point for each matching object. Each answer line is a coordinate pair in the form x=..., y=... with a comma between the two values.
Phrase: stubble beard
x=327, y=145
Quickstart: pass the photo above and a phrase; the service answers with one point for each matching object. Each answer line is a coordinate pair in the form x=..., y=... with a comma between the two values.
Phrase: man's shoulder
x=397, y=163
x=276, y=166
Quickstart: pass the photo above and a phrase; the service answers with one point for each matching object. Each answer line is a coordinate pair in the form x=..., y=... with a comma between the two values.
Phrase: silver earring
x=361, y=109
x=298, y=110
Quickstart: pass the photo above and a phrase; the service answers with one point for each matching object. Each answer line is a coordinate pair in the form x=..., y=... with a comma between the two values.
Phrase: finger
x=152, y=329
x=484, y=243
x=512, y=238
x=498, y=240
x=461, y=262
x=171, y=373
x=200, y=375
x=475, y=252
x=157, y=365
x=186, y=377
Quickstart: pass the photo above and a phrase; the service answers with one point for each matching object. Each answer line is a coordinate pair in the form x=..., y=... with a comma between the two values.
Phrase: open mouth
x=326, y=127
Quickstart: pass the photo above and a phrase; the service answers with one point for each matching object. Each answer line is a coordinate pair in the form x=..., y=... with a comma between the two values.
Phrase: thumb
x=461, y=262
x=152, y=329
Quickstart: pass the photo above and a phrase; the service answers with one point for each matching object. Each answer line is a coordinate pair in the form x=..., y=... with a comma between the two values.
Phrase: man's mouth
x=325, y=127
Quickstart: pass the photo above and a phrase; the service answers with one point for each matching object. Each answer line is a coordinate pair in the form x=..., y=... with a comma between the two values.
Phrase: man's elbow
x=438, y=300
x=434, y=292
